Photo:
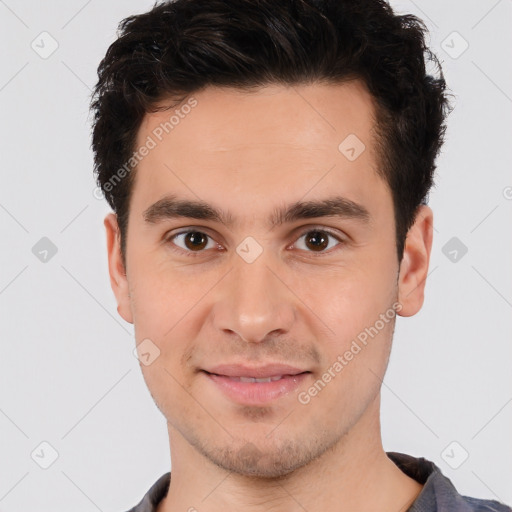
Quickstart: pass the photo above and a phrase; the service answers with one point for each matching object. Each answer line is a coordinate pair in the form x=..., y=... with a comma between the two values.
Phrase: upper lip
x=269, y=370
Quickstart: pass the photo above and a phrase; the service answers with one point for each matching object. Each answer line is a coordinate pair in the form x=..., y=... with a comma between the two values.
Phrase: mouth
x=274, y=378
x=253, y=390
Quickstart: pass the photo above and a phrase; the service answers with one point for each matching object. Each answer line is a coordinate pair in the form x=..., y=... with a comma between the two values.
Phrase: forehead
x=261, y=145
x=316, y=115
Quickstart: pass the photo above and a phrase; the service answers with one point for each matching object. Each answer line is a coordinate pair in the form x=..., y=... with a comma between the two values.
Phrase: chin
x=250, y=460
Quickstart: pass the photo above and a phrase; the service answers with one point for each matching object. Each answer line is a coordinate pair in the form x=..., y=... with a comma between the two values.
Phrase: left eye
x=317, y=240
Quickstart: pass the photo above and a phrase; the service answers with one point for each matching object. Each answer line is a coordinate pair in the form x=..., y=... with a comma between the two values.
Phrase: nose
x=253, y=302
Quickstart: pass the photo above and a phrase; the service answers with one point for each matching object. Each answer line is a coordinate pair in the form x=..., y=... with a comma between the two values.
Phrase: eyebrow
x=170, y=207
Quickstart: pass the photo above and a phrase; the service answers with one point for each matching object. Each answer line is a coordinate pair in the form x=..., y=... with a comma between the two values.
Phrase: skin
x=248, y=153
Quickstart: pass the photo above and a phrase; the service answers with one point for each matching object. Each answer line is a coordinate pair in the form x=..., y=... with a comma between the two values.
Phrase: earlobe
x=415, y=261
x=117, y=272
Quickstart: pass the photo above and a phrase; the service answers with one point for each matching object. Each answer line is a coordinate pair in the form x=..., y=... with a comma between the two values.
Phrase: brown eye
x=192, y=241
x=317, y=240
x=195, y=240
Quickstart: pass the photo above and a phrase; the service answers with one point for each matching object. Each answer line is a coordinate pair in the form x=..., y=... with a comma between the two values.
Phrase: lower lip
x=254, y=393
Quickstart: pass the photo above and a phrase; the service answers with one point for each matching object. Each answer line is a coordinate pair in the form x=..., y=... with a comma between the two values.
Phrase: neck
x=354, y=475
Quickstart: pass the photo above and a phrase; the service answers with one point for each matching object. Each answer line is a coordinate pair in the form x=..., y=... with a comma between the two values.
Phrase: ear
x=414, y=264
x=118, y=279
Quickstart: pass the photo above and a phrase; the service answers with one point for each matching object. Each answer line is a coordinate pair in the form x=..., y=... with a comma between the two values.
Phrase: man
x=269, y=164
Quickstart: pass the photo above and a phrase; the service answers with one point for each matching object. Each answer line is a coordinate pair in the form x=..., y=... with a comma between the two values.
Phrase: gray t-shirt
x=438, y=493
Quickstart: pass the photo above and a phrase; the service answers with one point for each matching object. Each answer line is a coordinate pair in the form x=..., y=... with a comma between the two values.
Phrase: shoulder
x=154, y=495
x=438, y=493
x=479, y=505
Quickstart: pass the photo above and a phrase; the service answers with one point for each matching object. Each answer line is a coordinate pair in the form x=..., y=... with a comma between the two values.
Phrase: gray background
x=68, y=376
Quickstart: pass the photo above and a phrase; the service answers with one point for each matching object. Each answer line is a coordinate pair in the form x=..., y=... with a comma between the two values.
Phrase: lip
x=256, y=393
x=268, y=370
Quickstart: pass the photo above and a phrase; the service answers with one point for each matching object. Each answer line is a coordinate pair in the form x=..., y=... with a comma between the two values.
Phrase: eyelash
x=195, y=254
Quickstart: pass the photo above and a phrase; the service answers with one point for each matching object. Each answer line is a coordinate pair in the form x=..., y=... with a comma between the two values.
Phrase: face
x=287, y=257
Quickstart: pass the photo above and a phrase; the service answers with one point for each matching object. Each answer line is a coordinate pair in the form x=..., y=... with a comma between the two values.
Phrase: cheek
x=169, y=390
x=161, y=296
x=352, y=375
x=357, y=306
x=348, y=300
x=167, y=311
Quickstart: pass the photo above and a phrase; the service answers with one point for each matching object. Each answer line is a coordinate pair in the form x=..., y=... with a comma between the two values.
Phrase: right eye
x=191, y=241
